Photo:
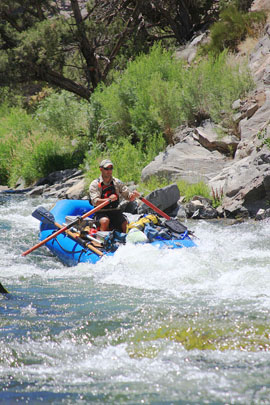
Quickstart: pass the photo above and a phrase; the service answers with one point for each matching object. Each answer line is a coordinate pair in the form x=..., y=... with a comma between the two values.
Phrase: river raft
x=70, y=248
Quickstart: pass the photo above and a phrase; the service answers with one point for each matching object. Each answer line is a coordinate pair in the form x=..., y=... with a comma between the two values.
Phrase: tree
x=74, y=45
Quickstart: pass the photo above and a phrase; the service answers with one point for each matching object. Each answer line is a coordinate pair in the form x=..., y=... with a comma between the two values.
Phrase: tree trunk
x=92, y=73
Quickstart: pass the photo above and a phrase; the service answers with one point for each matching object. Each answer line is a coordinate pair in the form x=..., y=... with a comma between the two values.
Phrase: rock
x=130, y=207
x=188, y=161
x=39, y=190
x=209, y=138
x=189, y=51
x=181, y=212
x=236, y=104
x=165, y=199
x=250, y=130
x=3, y=188
x=200, y=208
x=20, y=184
x=262, y=214
x=77, y=191
x=59, y=177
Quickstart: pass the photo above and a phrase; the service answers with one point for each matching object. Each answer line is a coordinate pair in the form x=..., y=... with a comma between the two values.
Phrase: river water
x=147, y=326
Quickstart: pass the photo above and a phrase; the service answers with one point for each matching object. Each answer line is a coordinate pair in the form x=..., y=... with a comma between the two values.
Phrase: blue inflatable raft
x=72, y=251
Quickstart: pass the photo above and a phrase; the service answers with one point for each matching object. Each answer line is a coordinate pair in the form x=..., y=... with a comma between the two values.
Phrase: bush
x=215, y=85
x=128, y=159
x=15, y=124
x=64, y=114
x=190, y=190
x=158, y=93
x=136, y=104
x=27, y=151
x=38, y=155
x=232, y=28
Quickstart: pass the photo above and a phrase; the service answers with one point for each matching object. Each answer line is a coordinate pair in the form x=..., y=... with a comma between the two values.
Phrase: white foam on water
x=229, y=262
x=94, y=328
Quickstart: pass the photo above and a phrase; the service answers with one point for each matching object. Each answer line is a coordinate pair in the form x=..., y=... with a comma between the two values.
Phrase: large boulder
x=246, y=183
x=187, y=160
x=166, y=199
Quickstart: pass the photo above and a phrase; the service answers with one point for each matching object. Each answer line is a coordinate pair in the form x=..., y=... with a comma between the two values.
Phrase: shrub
x=15, y=124
x=14, y=120
x=158, y=93
x=64, y=114
x=215, y=85
x=135, y=104
x=38, y=155
x=232, y=28
x=128, y=159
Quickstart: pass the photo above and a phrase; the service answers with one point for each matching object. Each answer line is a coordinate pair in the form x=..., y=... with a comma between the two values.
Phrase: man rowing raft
x=107, y=186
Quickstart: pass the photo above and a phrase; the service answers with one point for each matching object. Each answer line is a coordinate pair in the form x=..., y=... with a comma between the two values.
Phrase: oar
x=63, y=229
x=158, y=211
x=3, y=290
x=47, y=217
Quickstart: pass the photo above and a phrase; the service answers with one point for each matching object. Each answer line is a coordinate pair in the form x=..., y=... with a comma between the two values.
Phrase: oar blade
x=43, y=215
x=3, y=290
x=87, y=214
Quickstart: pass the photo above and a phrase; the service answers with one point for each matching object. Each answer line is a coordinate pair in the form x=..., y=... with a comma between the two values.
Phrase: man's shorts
x=116, y=218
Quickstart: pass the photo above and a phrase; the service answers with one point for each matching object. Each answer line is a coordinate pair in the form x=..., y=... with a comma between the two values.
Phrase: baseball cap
x=106, y=163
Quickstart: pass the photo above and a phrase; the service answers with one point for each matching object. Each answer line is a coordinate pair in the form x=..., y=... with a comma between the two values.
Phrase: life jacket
x=106, y=191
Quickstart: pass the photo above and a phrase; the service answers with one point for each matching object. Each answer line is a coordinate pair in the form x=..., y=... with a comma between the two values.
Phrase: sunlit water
x=187, y=326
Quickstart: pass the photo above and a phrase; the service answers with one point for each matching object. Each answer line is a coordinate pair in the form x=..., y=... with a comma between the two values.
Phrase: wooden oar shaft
x=63, y=229
x=158, y=211
x=79, y=240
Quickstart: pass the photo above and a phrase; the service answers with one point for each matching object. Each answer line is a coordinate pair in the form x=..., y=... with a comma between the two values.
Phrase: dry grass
x=247, y=46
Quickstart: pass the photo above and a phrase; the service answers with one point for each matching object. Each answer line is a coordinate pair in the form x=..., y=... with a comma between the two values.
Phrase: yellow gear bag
x=140, y=224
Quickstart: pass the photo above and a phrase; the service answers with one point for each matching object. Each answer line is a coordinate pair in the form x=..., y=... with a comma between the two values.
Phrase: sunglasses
x=108, y=168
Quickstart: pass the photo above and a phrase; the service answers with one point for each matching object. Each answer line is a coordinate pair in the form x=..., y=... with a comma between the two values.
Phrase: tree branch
x=56, y=79
x=93, y=73
x=122, y=36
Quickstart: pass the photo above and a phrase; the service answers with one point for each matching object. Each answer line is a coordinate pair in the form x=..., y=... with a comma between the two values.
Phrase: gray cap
x=106, y=163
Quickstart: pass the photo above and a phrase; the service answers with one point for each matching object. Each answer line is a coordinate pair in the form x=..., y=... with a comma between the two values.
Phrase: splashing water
x=144, y=326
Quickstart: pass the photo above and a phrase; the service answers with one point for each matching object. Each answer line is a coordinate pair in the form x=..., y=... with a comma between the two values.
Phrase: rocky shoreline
x=236, y=168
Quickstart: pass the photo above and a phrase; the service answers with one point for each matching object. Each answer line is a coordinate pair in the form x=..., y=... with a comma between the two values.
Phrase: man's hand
x=135, y=194
x=113, y=197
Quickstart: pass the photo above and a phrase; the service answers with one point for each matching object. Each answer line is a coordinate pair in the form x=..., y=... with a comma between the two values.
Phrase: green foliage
x=126, y=121
x=157, y=93
x=190, y=190
x=136, y=103
x=15, y=124
x=38, y=155
x=15, y=120
x=211, y=88
x=128, y=159
x=30, y=151
x=41, y=42
x=64, y=113
x=187, y=190
x=263, y=135
x=232, y=28
x=153, y=183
